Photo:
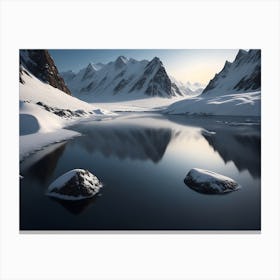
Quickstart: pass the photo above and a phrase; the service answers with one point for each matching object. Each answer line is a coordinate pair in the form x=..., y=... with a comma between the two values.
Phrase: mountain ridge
x=241, y=75
x=125, y=78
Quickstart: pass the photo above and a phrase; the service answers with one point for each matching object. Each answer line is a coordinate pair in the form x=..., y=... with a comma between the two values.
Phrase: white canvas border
x=146, y=24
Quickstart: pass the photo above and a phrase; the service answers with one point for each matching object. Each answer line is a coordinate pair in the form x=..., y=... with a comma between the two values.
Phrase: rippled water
x=142, y=160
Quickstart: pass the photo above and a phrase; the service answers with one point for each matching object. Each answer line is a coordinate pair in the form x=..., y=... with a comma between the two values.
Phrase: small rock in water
x=76, y=184
x=205, y=181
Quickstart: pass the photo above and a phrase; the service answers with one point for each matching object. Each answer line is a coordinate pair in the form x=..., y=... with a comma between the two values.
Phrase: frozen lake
x=142, y=160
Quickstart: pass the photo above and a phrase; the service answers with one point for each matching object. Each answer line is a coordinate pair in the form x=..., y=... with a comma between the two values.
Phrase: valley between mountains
x=50, y=101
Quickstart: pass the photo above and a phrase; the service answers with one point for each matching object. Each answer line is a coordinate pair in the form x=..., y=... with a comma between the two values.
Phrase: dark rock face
x=41, y=65
x=121, y=85
x=176, y=89
x=252, y=82
x=159, y=84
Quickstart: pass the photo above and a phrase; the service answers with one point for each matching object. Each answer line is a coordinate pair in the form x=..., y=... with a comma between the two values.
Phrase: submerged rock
x=76, y=184
x=205, y=181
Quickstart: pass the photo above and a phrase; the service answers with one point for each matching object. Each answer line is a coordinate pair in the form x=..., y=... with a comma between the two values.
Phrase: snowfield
x=139, y=105
x=39, y=127
x=241, y=104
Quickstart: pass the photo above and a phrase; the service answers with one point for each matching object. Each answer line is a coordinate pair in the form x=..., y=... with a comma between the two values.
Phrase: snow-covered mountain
x=234, y=91
x=242, y=75
x=122, y=79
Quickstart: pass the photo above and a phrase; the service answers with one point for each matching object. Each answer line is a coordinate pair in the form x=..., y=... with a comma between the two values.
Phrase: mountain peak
x=156, y=60
x=121, y=61
x=90, y=67
x=226, y=66
x=240, y=54
x=89, y=72
x=227, y=63
x=124, y=75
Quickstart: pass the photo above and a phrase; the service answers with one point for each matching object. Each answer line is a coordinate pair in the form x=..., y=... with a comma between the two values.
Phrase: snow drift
x=242, y=104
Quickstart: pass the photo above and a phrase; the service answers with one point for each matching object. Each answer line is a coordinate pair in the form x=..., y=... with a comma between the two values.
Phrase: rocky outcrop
x=40, y=64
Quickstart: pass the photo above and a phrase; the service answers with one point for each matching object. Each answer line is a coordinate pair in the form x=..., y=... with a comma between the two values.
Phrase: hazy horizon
x=196, y=65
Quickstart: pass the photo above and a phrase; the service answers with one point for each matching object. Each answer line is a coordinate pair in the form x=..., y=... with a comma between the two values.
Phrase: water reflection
x=75, y=207
x=234, y=140
x=141, y=160
x=42, y=164
x=140, y=143
x=243, y=150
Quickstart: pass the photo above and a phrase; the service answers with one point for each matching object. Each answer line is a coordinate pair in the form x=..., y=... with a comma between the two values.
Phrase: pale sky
x=198, y=65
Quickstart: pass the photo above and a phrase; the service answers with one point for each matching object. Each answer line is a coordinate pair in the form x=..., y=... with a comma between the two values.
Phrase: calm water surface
x=142, y=160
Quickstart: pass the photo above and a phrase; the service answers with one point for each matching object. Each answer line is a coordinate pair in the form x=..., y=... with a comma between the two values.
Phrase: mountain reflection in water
x=234, y=140
x=141, y=159
x=127, y=142
x=42, y=164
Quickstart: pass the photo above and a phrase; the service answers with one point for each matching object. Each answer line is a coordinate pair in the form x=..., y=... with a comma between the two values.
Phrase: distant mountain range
x=126, y=79
x=188, y=88
x=242, y=75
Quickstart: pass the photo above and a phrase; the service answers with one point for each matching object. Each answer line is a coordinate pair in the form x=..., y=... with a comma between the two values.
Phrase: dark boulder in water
x=209, y=182
x=76, y=184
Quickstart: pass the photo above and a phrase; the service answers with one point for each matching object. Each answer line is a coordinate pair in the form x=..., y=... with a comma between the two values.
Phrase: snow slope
x=34, y=90
x=39, y=127
x=242, y=104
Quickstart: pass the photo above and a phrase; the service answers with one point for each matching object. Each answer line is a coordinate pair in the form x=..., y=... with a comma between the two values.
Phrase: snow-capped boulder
x=205, y=181
x=76, y=184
